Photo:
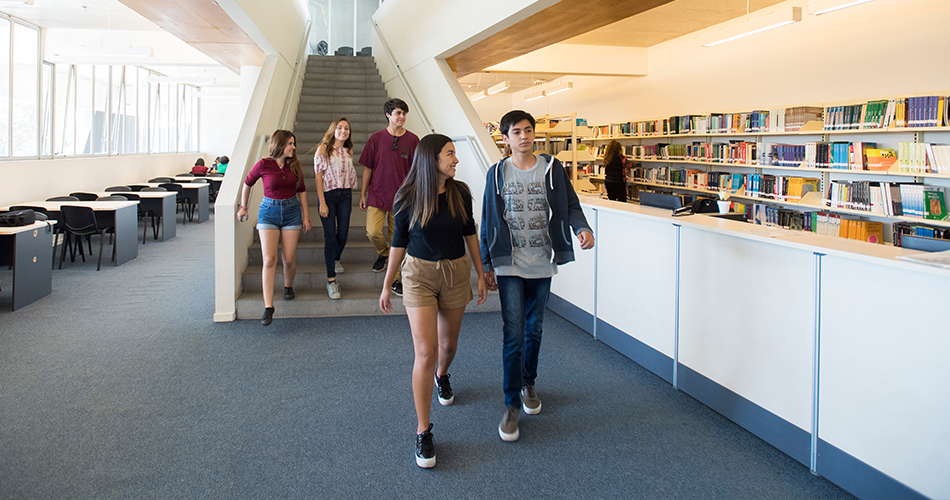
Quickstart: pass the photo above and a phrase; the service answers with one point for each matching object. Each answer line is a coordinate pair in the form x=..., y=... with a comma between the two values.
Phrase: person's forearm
x=396, y=255
x=367, y=177
x=302, y=196
x=475, y=253
x=245, y=195
x=320, y=195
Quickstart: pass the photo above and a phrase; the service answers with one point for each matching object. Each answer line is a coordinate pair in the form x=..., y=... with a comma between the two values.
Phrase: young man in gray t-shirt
x=528, y=206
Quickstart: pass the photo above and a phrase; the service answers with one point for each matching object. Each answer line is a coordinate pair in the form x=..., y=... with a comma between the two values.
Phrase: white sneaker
x=333, y=289
x=337, y=267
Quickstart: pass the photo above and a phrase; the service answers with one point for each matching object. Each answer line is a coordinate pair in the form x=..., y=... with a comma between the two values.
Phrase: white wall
x=885, y=48
x=220, y=123
x=35, y=180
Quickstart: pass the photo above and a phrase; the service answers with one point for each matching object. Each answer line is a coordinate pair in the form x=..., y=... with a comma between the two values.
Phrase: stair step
x=339, y=92
x=322, y=125
x=311, y=253
x=317, y=304
x=314, y=278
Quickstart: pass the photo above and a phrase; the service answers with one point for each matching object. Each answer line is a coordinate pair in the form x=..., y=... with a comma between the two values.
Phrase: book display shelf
x=885, y=162
x=557, y=135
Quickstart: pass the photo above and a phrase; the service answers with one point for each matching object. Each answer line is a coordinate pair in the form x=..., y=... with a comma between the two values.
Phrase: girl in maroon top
x=283, y=213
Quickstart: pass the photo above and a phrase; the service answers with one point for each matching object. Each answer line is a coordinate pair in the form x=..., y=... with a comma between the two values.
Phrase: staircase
x=334, y=87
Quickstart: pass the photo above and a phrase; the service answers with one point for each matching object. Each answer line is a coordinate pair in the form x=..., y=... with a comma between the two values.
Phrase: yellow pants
x=374, y=231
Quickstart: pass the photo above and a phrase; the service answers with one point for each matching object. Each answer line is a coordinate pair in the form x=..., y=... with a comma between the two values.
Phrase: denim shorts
x=280, y=214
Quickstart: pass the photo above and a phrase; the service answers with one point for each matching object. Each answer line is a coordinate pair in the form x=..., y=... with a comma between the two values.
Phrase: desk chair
x=179, y=200
x=185, y=174
x=79, y=222
x=136, y=187
x=211, y=192
x=161, y=180
x=119, y=189
x=85, y=196
x=153, y=215
x=63, y=198
x=113, y=197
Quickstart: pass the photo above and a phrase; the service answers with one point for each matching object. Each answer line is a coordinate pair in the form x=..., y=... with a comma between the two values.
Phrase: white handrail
x=481, y=156
x=301, y=63
x=402, y=78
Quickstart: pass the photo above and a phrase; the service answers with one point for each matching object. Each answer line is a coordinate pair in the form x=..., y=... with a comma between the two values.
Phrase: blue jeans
x=523, y=302
x=336, y=226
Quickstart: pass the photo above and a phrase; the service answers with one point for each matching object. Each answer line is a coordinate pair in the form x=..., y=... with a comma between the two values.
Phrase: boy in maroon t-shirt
x=386, y=157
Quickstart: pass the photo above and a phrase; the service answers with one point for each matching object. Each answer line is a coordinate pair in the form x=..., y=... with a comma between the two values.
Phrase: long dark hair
x=278, y=141
x=614, y=149
x=420, y=191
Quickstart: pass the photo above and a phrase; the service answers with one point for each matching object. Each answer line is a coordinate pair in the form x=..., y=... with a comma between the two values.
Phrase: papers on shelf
x=939, y=259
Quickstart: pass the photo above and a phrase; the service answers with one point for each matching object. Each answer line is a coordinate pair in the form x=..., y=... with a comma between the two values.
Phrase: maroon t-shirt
x=199, y=169
x=389, y=166
x=279, y=183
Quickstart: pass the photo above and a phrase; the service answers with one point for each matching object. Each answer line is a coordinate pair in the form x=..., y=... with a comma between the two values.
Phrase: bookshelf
x=762, y=139
x=553, y=129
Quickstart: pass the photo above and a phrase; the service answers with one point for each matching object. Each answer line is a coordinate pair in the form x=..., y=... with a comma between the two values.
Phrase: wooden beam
x=205, y=26
x=563, y=20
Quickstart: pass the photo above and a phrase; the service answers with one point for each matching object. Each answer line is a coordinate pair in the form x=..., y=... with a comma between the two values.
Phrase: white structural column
x=249, y=76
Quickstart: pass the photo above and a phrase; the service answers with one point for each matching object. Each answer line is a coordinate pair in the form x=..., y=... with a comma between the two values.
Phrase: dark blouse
x=442, y=238
x=613, y=171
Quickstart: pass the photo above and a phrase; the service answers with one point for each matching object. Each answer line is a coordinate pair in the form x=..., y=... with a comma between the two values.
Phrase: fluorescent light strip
x=765, y=23
x=103, y=51
x=16, y=2
x=494, y=89
x=559, y=88
x=819, y=7
x=181, y=79
x=479, y=95
x=533, y=97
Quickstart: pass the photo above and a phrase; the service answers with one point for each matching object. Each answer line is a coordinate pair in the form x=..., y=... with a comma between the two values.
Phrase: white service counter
x=832, y=350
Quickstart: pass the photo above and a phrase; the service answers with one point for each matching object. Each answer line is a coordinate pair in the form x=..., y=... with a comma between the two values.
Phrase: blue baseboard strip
x=579, y=317
x=640, y=353
x=791, y=440
x=855, y=476
x=859, y=478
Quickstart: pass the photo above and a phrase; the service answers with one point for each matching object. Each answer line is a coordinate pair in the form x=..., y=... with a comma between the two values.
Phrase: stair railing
x=285, y=120
x=402, y=78
x=481, y=157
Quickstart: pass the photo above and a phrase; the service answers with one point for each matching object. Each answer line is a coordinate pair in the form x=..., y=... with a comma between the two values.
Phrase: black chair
x=161, y=180
x=154, y=190
x=79, y=222
x=144, y=213
x=113, y=197
x=211, y=192
x=119, y=189
x=136, y=187
x=215, y=174
x=63, y=198
x=85, y=196
x=179, y=199
x=185, y=174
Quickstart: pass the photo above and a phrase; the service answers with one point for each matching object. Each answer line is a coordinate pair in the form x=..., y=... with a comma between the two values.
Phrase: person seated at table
x=214, y=165
x=222, y=164
x=199, y=168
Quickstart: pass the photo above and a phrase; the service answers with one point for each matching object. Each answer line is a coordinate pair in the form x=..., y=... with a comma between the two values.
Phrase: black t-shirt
x=442, y=238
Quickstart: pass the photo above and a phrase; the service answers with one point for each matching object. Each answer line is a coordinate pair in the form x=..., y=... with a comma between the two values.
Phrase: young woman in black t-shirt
x=433, y=226
x=615, y=170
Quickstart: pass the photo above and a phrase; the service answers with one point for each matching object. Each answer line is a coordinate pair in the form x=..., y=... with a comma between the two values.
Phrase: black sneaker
x=425, y=450
x=380, y=264
x=445, y=390
x=268, y=317
x=397, y=287
x=289, y=293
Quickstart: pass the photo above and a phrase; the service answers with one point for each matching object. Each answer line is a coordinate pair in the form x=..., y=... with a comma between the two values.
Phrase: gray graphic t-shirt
x=527, y=215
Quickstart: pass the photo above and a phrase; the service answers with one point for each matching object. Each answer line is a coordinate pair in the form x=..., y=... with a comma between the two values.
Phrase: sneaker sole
x=531, y=411
x=446, y=402
x=509, y=437
x=425, y=463
x=378, y=270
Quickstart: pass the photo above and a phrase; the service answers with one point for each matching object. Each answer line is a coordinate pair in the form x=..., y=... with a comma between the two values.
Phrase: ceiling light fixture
x=83, y=51
x=181, y=79
x=16, y=2
x=532, y=97
x=765, y=23
x=557, y=89
x=494, y=89
x=819, y=7
x=479, y=95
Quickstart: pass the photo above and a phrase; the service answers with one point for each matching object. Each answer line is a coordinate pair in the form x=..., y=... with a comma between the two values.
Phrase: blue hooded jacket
x=564, y=212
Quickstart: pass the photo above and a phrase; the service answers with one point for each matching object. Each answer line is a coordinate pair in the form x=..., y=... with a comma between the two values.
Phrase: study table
x=157, y=202
x=121, y=215
x=195, y=192
x=27, y=249
x=216, y=181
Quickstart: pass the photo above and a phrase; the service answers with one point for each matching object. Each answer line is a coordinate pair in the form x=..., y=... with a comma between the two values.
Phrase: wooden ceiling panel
x=204, y=25
x=561, y=21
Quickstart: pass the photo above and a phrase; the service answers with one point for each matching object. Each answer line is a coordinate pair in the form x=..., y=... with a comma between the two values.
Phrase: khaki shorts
x=446, y=283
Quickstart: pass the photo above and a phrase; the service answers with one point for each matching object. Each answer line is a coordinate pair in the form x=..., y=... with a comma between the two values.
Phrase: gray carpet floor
x=119, y=385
